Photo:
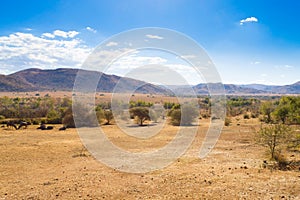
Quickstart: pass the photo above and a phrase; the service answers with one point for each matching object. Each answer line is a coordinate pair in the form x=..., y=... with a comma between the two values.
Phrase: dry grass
x=53, y=164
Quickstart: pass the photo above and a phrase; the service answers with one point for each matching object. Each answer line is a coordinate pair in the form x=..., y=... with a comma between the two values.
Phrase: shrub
x=35, y=121
x=83, y=115
x=108, y=116
x=227, y=121
x=254, y=115
x=141, y=113
x=54, y=117
x=68, y=120
x=246, y=116
x=266, y=109
x=274, y=137
x=175, y=117
x=184, y=116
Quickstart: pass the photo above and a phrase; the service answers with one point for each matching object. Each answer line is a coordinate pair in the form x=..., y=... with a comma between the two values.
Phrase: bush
x=140, y=113
x=246, y=116
x=108, y=116
x=68, y=121
x=2, y=117
x=274, y=137
x=154, y=115
x=227, y=121
x=184, y=116
x=54, y=117
x=175, y=117
x=205, y=115
x=83, y=115
x=35, y=121
x=253, y=115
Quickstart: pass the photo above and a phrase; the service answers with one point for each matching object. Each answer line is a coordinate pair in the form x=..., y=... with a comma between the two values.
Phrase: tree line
x=52, y=110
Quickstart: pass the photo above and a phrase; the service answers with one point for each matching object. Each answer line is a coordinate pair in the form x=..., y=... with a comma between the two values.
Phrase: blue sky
x=249, y=41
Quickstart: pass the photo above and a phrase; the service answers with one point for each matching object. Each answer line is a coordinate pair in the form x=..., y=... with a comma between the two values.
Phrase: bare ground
x=53, y=164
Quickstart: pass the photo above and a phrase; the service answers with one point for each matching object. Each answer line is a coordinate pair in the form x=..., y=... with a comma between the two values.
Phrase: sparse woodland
x=279, y=116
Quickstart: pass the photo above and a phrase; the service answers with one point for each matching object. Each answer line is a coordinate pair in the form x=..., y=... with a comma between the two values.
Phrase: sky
x=249, y=41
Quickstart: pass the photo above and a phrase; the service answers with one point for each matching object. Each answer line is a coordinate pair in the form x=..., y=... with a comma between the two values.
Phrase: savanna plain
x=52, y=164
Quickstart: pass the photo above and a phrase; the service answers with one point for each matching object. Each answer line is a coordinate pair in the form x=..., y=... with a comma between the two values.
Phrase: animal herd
x=23, y=124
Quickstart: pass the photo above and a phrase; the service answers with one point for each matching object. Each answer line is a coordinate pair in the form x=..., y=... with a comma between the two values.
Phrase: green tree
x=108, y=116
x=288, y=110
x=54, y=117
x=274, y=137
x=83, y=115
x=68, y=119
x=266, y=109
x=141, y=113
x=184, y=116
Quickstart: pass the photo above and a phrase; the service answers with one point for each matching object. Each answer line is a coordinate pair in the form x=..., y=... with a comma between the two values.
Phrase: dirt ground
x=52, y=164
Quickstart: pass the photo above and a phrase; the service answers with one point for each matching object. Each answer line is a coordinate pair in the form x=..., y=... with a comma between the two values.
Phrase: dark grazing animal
x=44, y=127
x=62, y=128
x=11, y=124
x=49, y=127
x=23, y=124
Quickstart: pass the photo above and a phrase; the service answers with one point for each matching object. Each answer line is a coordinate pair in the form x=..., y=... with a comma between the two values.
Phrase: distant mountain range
x=63, y=79
x=253, y=89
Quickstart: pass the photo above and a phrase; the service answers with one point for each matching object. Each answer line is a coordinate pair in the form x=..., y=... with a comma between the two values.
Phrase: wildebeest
x=44, y=127
x=23, y=124
x=49, y=127
x=10, y=124
x=62, y=128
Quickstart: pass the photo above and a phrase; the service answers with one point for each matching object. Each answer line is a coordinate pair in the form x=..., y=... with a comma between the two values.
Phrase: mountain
x=275, y=89
x=10, y=83
x=251, y=89
x=63, y=79
x=229, y=89
x=289, y=89
x=268, y=88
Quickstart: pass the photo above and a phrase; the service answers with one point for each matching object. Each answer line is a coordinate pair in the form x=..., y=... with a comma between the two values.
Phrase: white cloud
x=49, y=35
x=284, y=67
x=247, y=20
x=60, y=33
x=65, y=34
x=135, y=64
x=110, y=44
x=25, y=50
x=91, y=29
x=288, y=66
x=154, y=37
x=188, y=56
x=255, y=63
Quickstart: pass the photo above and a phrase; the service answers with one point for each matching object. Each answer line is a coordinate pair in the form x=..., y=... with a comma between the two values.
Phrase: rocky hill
x=63, y=79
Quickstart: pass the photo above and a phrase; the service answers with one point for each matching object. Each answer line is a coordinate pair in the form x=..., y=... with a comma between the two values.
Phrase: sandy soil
x=53, y=164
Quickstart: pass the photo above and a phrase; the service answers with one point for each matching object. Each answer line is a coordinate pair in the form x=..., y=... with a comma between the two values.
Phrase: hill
x=275, y=89
x=63, y=79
